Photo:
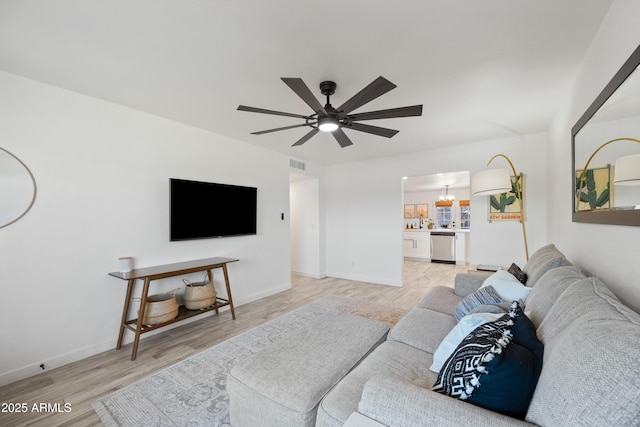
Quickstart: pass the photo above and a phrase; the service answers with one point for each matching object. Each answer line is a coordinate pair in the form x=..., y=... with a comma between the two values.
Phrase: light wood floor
x=80, y=383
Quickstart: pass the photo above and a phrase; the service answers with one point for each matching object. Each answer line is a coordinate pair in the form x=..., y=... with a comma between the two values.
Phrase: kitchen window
x=444, y=214
x=465, y=214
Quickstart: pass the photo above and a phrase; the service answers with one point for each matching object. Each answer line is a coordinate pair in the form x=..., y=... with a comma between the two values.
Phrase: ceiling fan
x=334, y=120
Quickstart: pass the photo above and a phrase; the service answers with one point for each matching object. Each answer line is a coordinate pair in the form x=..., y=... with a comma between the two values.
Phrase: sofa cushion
x=396, y=403
x=591, y=373
x=496, y=366
x=486, y=295
x=423, y=329
x=441, y=299
x=284, y=383
x=392, y=359
x=466, y=283
x=507, y=286
x=543, y=260
x=548, y=289
x=581, y=302
x=462, y=329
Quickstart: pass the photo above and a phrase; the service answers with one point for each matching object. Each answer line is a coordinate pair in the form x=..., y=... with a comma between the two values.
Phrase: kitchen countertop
x=426, y=230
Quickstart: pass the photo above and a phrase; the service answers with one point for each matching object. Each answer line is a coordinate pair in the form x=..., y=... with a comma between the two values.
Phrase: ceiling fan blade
x=378, y=87
x=342, y=138
x=376, y=130
x=277, y=113
x=414, y=110
x=277, y=129
x=306, y=137
x=303, y=91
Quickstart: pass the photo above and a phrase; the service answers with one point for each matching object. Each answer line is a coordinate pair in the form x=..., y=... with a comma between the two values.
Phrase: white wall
x=305, y=228
x=608, y=251
x=365, y=217
x=103, y=177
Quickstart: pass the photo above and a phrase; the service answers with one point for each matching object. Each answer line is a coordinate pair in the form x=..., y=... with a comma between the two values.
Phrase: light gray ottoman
x=283, y=384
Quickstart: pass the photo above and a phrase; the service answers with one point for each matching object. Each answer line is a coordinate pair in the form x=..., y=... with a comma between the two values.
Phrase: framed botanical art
x=409, y=211
x=594, y=192
x=505, y=206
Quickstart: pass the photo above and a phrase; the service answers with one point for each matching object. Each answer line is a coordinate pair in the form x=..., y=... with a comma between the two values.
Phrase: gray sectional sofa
x=590, y=373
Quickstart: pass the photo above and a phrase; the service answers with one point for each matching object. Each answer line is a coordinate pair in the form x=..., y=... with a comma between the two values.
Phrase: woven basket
x=160, y=308
x=199, y=295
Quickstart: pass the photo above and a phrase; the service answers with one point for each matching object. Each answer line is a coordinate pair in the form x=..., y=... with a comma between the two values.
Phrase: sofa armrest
x=395, y=403
x=468, y=283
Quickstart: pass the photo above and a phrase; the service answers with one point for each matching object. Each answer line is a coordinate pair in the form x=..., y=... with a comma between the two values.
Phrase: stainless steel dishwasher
x=443, y=247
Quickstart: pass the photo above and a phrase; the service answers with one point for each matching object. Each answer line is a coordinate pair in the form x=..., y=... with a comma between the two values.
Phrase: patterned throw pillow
x=496, y=366
x=486, y=295
x=518, y=273
x=464, y=327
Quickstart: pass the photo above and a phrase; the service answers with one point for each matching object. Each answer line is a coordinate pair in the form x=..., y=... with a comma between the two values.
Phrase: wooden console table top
x=170, y=270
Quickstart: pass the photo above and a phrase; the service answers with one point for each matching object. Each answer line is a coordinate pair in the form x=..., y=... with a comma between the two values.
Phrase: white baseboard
x=57, y=361
x=109, y=344
x=310, y=275
x=410, y=258
x=367, y=279
x=263, y=294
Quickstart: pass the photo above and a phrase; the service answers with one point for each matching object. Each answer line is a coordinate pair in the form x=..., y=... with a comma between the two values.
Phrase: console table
x=149, y=274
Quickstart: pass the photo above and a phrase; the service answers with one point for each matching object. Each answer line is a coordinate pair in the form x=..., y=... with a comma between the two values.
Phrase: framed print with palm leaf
x=505, y=206
x=595, y=191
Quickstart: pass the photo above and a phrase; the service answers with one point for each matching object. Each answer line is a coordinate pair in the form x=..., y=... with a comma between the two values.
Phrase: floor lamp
x=496, y=181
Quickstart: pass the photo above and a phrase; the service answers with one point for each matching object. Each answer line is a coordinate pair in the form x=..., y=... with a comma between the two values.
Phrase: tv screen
x=202, y=210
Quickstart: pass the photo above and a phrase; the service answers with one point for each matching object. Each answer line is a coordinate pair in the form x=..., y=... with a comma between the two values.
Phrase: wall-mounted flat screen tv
x=203, y=210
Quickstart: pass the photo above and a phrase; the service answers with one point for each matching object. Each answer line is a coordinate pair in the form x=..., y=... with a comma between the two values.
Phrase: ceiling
x=437, y=182
x=482, y=69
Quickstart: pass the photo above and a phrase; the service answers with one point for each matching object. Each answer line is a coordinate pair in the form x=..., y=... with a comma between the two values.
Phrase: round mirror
x=17, y=188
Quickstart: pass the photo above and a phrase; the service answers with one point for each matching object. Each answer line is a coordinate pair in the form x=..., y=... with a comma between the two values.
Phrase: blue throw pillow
x=482, y=296
x=496, y=366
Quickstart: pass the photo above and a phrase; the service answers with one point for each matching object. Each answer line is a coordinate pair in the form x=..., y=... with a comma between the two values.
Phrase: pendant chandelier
x=446, y=196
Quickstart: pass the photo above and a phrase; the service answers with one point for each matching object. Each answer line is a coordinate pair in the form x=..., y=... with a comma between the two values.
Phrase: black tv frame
x=210, y=210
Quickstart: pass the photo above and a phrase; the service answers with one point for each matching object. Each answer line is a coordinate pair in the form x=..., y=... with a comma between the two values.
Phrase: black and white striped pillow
x=486, y=295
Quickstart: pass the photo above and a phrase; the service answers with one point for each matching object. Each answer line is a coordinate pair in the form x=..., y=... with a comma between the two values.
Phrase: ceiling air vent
x=297, y=164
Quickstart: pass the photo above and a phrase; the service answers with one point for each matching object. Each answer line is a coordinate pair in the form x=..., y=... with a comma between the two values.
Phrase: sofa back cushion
x=547, y=290
x=590, y=374
x=543, y=260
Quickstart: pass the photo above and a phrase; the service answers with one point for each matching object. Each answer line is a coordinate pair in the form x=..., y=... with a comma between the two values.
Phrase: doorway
x=436, y=203
x=305, y=226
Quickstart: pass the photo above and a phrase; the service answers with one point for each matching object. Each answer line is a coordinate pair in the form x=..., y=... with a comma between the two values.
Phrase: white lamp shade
x=490, y=181
x=627, y=170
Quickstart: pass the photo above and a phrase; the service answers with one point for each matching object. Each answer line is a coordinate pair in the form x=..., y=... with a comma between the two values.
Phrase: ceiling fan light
x=328, y=124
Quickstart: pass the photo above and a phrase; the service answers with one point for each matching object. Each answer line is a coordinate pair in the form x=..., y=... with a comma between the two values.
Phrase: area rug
x=193, y=392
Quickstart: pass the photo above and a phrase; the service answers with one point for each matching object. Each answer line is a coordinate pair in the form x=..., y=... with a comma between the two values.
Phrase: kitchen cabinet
x=417, y=244
x=461, y=248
